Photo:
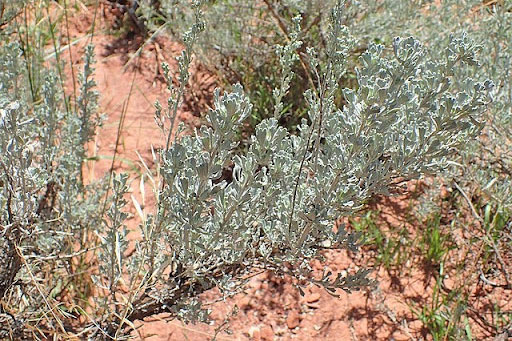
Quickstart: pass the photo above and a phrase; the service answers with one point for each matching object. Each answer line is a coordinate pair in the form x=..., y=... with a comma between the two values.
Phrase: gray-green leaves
x=285, y=191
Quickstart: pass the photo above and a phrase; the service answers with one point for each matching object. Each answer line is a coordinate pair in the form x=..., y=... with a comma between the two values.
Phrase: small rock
x=245, y=302
x=313, y=297
x=313, y=305
x=293, y=319
x=267, y=334
x=445, y=192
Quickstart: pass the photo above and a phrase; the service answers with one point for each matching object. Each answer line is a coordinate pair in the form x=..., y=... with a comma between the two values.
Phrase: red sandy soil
x=271, y=308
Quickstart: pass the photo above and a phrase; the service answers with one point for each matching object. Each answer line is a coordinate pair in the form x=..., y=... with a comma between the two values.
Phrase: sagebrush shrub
x=406, y=115
x=277, y=211
x=47, y=210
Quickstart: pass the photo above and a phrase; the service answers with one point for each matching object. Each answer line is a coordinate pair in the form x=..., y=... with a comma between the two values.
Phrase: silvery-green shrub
x=408, y=113
x=46, y=209
x=404, y=119
x=486, y=163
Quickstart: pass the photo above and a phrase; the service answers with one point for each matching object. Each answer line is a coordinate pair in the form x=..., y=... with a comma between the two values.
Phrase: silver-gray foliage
x=46, y=209
x=278, y=209
x=484, y=168
x=409, y=112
